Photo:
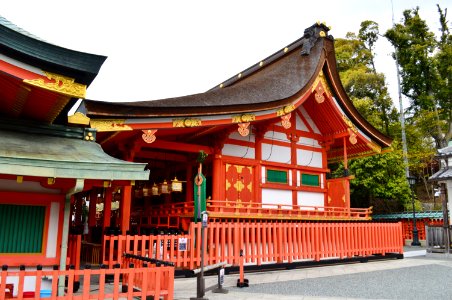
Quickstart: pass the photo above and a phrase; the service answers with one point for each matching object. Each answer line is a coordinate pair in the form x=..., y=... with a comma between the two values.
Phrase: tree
x=425, y=71
x=380, y=180
x=365, y=86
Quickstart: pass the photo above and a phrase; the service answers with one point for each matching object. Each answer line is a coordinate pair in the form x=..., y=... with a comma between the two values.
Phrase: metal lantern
x=176, y=185
x=145, y=191
x=155, y=190
x=164, y=187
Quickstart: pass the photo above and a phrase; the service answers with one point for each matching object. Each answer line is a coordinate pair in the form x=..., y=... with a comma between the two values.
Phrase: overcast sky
x=161, y=49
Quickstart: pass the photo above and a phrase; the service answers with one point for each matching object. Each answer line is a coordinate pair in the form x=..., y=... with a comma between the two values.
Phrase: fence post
x=3, y=276
x=242, y=282
x=220, y=288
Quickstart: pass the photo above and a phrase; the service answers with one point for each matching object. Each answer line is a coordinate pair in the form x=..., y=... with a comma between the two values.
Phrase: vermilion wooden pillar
x=259, y=135
x=345, y=155
x=294, y=161
x=107, y=208
x=126, y=202
x=216, y=176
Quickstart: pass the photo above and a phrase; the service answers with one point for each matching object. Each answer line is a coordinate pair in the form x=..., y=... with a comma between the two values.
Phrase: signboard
x=204, y=219
x=221, y=277
x=182, y=244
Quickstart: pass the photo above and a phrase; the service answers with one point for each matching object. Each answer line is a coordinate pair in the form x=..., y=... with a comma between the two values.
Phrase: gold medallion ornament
x=285, y=121
x=149, y=135
x=243, y=129
x=60, y=84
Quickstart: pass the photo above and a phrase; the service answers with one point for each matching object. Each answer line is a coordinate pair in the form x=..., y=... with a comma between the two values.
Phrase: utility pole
x=402, y=113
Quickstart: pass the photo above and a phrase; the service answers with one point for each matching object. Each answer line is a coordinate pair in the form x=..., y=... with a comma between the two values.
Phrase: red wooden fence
x=261, y=242
x=407, y=227
x=143, y=279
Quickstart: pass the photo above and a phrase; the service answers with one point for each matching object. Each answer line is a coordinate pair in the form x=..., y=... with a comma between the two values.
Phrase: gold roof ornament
x=187, y=122
x=78, y=118
x=60, y=84
x=110, y=125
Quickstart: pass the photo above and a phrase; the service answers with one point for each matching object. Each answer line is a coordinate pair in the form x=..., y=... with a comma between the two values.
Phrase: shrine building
x=270, y=133
x=117, y=181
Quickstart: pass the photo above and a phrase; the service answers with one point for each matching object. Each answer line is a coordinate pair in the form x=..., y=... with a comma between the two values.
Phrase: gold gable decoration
x=349, y=124
x=374, y=147
x=245, y=118
x=78, y=118
x=59, y=84
x=321, y=80
x=285, y=110
x=187, y=122
x=110, y=125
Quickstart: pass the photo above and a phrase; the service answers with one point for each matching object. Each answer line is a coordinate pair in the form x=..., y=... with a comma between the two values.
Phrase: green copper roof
x=437, y=214
x=31, y=154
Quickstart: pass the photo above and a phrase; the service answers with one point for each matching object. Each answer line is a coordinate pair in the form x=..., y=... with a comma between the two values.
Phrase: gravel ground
x=431, y=281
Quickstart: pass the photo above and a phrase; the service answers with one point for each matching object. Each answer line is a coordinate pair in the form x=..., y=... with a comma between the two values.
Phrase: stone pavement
x=417, y=276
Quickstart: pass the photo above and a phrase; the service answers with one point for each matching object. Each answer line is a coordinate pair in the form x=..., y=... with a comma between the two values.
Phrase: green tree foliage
x=379, y=180
x=426, y=71
x=364, y=85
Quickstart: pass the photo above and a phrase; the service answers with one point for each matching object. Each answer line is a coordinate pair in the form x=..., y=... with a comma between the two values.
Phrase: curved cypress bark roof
x=277, y=81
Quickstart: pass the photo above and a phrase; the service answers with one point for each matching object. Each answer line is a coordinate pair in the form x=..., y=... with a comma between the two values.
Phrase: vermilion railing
x=162, y=214
x=143, y=279
x=285, y=211
x=407, y=227
x=261, y=242
x=164, y=247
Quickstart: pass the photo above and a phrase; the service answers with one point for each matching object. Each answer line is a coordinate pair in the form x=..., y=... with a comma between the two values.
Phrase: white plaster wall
x=308, y=142
x=309, y=158
x=236, y=136
x=52, y=234
x=238, y=151
x=276, y=153
x=274, y=196
x=300, y=124
x=309, y=120
x=310, y=199
x=274, y=135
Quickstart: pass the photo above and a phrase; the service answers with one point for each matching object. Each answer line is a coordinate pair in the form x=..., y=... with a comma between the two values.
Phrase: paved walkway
x=417, y=276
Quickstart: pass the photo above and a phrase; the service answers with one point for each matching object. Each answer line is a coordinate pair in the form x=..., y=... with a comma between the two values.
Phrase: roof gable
x=301, y=74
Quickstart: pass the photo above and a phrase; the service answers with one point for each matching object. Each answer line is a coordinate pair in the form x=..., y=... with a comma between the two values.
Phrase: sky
x=161, y=49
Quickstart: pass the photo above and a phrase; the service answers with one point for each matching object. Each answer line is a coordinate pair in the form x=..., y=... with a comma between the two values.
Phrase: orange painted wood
x=126, y=201
x=271, y=242
x=107, y=208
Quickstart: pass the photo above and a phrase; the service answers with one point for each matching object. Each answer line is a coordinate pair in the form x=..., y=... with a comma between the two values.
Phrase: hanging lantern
x=164, y=187
x=155, y=190
x=145, y=191
x=176, y=185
